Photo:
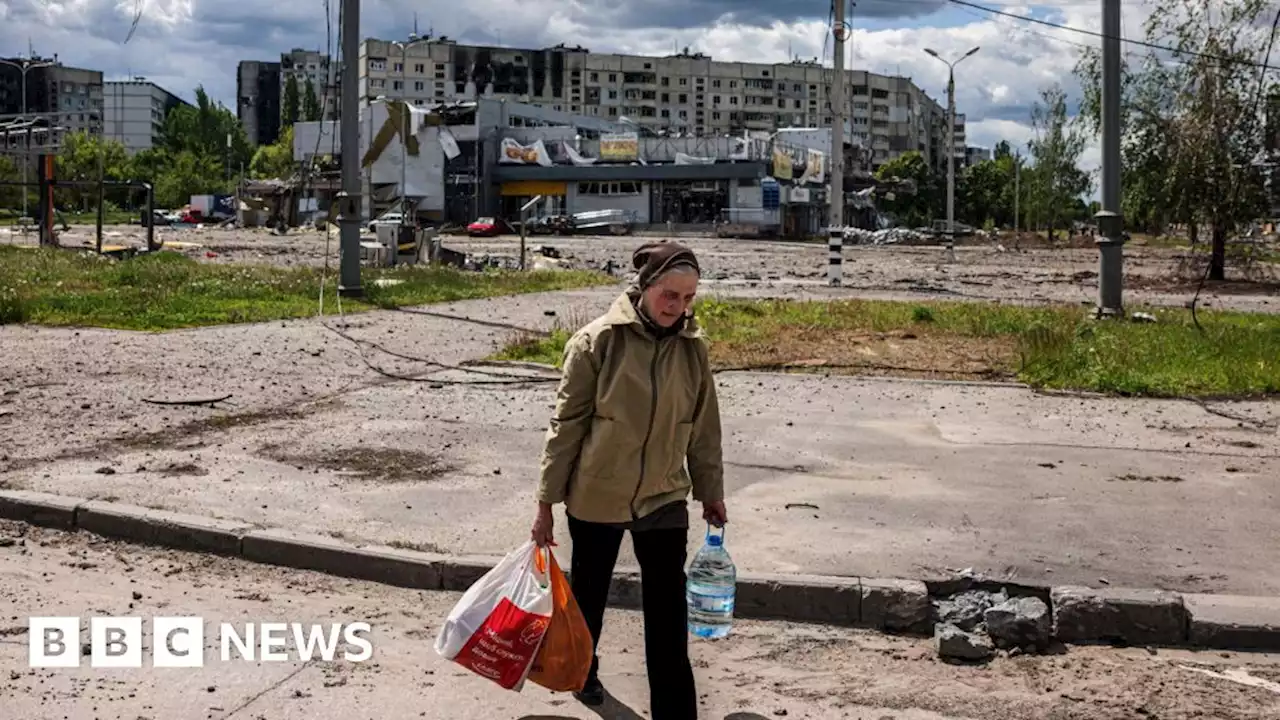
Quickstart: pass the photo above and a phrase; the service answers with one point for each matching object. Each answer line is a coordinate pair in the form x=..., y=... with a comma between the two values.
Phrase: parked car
x=485, y=227
x=390, y=217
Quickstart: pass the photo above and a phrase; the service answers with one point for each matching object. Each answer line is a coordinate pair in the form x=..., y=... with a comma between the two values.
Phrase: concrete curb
x=1081, y=615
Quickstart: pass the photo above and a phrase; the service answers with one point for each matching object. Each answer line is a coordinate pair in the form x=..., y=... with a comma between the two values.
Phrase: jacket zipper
x=653, y=413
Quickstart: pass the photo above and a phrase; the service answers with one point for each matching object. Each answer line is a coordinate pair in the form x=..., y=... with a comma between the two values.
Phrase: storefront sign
x=513, y=153
x=799, y=195
x=781, y=165
x=622, y=147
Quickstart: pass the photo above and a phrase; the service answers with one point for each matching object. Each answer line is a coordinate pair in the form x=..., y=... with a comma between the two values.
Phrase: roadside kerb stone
x=1081, y=615
x=800, y=598
x=44, y=509
x=1135, y=617
x=1234, y=622
x=160, y=527
x=896, y=605
x=459, y=572
x=392, y=566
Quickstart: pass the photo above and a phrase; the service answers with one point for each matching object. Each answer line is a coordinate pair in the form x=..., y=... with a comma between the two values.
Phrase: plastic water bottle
x=713, y=582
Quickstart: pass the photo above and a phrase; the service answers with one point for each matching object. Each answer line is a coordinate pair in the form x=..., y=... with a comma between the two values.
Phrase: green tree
x=920, y=207
x=311, y=110
x=1193, y=129
x=188, y=174
x=1056, y=181
x=289, y=103
x=275, y=160
x=86, y=158
x=979, y=192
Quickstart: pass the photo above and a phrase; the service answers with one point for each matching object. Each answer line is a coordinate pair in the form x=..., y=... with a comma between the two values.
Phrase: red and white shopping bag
x=495, y=630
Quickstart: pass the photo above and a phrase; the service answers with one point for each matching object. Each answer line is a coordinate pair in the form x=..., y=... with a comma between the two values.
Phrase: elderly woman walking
x=636, y=428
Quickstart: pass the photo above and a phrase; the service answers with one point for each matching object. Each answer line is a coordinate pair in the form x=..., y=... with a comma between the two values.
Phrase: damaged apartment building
x=685, y=94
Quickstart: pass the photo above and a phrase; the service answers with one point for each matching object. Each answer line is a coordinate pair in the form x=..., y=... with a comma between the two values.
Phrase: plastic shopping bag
x=495, y=630
x=564, y=661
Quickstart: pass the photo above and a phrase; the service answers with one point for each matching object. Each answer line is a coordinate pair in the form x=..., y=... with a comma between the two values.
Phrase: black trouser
x=662, y=557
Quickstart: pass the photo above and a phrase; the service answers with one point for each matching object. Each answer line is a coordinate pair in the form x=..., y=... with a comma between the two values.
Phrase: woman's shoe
x=592, y=695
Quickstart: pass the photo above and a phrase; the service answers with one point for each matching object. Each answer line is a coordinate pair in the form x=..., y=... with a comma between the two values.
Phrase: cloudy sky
x=184, y=43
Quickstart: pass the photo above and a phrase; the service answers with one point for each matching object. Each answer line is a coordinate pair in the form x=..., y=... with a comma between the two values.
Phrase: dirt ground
x=911, y=479
x=763, y=670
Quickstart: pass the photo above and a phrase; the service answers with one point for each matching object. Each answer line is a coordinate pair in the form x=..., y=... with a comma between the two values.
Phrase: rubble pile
x=974, y=624
x=887, y=236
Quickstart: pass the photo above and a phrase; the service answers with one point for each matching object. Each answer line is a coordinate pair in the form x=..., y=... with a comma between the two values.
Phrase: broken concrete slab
x=161, y=527
x=966, y=610
x=1234, y=622
x=896, y=605
x=45, y=509
x=1131, y=616
x=800, y=598
x=956, y=644
x=1024, y=622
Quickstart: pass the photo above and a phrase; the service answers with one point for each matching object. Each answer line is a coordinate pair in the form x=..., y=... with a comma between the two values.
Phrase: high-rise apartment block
x=134, y=112
x=687, y=94
x=69, y=98
x=260, y=91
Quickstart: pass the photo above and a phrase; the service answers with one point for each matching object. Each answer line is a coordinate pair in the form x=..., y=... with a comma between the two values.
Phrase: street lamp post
x=951, y=149
x=404, y=140
x=23, y=69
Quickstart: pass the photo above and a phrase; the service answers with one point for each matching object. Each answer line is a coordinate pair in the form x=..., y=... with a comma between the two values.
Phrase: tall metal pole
x=951, y=164
x=951, y=147
x=349, y=207
x=404, y=149
x=835, y=241
x=26, y=151
x=1110, y=221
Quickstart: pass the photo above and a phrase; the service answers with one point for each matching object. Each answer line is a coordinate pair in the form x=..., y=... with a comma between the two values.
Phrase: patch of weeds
x=416, y=547
x=166, y=290
x=1236, y=355
x=1148, y=478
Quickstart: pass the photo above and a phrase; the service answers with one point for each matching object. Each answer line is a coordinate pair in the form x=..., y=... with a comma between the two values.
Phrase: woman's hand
x=715, y=513
x=544, y=526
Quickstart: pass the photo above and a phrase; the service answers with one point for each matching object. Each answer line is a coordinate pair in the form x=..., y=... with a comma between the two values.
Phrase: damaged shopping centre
x=488, y=158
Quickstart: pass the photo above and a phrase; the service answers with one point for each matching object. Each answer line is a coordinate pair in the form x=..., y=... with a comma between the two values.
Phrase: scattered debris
x=1020, y=623
x=806, y=506
x=1141, y=317
x=887, y=236
x=957, y=644
x=204, y=401
x=1147, y=478
x=105, y=471
x=967, y=609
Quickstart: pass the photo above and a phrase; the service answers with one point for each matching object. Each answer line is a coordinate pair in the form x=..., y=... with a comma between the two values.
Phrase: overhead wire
x=1130, y=41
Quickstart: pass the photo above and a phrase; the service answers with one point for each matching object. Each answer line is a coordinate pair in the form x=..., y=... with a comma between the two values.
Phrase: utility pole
x=349, y=206
x=951, y=149
x=1110, y=221
x=835, y=241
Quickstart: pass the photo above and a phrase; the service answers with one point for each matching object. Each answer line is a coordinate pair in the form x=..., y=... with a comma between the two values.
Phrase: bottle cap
x=715, y=540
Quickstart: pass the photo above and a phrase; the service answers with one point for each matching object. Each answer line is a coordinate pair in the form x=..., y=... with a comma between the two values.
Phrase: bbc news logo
x=178, y=642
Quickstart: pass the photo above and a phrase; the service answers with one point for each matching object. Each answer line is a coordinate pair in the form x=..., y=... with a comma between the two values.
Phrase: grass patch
x=1238, y=354
x=166, y=290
